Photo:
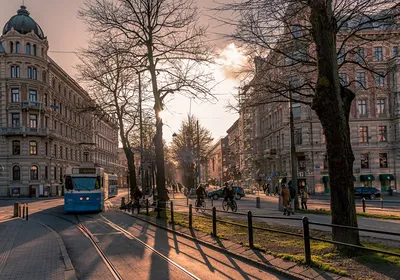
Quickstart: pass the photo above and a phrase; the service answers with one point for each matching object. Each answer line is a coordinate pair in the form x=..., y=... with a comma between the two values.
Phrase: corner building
x=43, y=125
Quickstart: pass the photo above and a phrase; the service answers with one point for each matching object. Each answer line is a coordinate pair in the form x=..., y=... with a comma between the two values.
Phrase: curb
x=7, y=219
x=260, y=264
x=69, y=273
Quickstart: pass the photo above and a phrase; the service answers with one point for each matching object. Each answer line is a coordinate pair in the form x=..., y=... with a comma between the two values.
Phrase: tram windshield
x=84, y=183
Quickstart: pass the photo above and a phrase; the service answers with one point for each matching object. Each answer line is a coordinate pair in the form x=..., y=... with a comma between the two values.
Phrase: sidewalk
x=29, y=250
x=287, y=268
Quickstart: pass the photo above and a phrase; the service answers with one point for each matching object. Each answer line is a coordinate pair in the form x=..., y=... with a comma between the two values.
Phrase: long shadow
x=159, y=267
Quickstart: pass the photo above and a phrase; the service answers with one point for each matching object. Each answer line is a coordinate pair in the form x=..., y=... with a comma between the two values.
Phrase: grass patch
x=363, y=215
x=366, y=265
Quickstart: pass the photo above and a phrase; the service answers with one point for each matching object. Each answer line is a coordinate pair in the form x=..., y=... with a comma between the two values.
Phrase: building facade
x=374, y=120
x=44, y=127
x=218, y=162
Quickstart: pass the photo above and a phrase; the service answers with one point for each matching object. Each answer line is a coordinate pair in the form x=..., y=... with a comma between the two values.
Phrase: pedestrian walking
x=304, y=198
x=264, y=187
x=292, y=196
x=276, y=190
x=285, y=194
x=268, y=190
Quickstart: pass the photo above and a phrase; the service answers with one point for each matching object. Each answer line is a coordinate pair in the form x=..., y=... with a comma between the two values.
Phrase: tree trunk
x=132, y=170
x=332, y=104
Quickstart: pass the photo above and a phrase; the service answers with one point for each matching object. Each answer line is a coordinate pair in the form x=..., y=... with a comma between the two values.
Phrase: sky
x=67, y=34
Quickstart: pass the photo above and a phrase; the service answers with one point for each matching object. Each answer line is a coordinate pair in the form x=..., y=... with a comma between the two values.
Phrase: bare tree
x=105, y=69
x=302, y=44
x=192, y=141
x=168, y=41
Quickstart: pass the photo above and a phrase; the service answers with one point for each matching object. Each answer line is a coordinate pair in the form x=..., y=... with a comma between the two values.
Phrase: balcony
x=24, y=131
x=31, y=105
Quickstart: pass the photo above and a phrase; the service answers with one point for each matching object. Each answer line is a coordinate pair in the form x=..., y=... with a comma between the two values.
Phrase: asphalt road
x=130, y=258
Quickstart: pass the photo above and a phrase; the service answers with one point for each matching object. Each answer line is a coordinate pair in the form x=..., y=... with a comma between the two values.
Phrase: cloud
x=231, y=61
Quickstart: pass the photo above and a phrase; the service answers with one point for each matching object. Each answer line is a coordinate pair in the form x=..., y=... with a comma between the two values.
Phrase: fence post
x=363, y=204
x=190, y=216
x=138, y=208
x=23, y=211
x=306, y=235
x=250, y=229
x=212, y=202
x=381, y=203
x=187, y=199
x=214, y=221
x=15, y=209
x=158, y=209
x=26, y=216
x=19, y=209
x=258, y=202
x=172, y=212
x=147, y=206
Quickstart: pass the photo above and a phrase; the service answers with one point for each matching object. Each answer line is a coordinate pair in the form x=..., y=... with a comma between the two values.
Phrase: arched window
x=17, y=47
x=28, y=48
x=34, y=172
x=34, y=50
x=16, y=174
x=11, y=47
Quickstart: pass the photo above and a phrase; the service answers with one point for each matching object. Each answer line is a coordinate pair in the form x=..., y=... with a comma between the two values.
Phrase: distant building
x=218, y=161
x=43, y=128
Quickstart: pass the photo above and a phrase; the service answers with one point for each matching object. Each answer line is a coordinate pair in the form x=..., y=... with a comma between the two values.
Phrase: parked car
x=367, y=192
x=218, y=193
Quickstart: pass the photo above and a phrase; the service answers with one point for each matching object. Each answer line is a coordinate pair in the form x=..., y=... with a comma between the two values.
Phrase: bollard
x=363, y=204
x=26, y=216
x=19, y=209
x=15, y=209
x=381, y=203
x=306, y=235
x=172, y=212
x=138, y=208
x=147, y=206
x=250, y=229
x=158, y=209
x=23, y=211
x=214, y=221
x=190, y=216
x=258, y=202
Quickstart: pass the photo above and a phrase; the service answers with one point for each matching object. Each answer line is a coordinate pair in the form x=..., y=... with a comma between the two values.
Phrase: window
x=46, y=100
x=343, y=79
x=55, y=173
x=383, y=162
x=55, y=150
x=362, y=107
x=61, y=152
x=33, y=121
x=11, y=47
x=296, y=31
x=33, y=95
x=34, y=50
x=326, y=163
x=29, y=72
x=16, y=148
x=380, y=106
x=341, y=55
x=28, y=48
x=32, y=73
x=15, y=120
x=16, y=175
x=44, y=76
x=360, y=55
x=15, y=72
x=33, y=148
x=298, y=137
x=364, y=161
x=34, y=172
x=46, y=147
x=361, y=82
x=395, y=51
x=363, y=134
x=61, y=175
x=15, y=95
x=378, y=53
x=46, y=172
x=382, y=133
x=296, y=109
x=380, y=79
x=17, y=47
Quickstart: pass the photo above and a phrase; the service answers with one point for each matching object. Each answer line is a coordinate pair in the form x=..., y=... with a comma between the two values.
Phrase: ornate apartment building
x=374, y=122
x=43, y=127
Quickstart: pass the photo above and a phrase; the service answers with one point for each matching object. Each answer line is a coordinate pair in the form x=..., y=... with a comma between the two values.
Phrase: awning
x=386, y=177
x=367, y=177
x=325, y=179
x=282, y=180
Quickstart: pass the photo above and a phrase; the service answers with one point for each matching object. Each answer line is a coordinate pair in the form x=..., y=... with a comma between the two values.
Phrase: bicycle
x=226, y=204
x=200, y=204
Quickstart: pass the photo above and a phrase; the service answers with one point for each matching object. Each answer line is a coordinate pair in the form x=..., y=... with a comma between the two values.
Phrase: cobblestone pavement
x=29, y=250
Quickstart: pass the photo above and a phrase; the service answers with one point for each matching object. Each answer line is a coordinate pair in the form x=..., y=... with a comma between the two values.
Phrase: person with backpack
x=304, y=198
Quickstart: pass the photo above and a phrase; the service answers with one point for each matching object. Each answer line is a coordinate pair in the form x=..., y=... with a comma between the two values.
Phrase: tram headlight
x=87, y=198
x=81, y=198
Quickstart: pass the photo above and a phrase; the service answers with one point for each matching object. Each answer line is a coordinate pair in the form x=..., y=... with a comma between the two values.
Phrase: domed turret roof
x=23, y=23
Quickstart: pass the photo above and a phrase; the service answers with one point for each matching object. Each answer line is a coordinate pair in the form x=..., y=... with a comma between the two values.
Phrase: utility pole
x=293, y=151
x=198, y=153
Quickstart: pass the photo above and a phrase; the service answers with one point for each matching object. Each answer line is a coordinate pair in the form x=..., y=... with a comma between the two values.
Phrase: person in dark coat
x=292, y=196
x=285, y=193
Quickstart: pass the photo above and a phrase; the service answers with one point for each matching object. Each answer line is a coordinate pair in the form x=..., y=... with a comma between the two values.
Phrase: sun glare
x=231, y=60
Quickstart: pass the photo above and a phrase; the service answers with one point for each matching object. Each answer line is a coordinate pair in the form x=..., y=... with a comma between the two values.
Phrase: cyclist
x=200, y=192
x=228, y=193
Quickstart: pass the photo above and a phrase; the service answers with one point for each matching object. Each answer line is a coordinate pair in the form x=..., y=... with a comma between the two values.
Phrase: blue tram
x=84, y=189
